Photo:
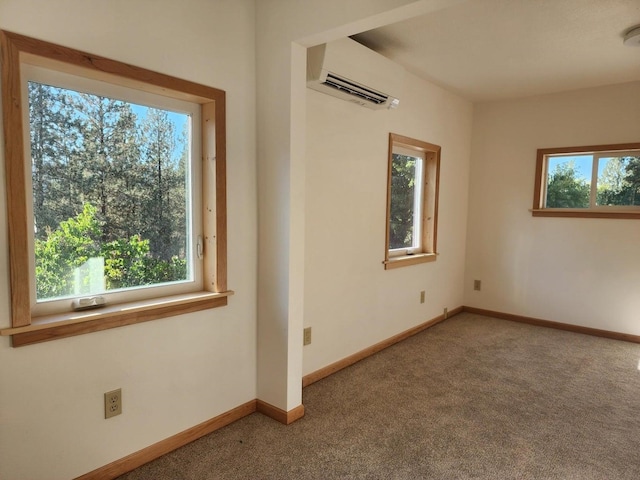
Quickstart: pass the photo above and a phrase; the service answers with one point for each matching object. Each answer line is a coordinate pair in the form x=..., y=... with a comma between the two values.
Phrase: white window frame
x=32, y=73
x=418, y=201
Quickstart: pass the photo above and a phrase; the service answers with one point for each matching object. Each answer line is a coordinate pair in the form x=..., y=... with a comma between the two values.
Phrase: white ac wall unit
x=350, y=71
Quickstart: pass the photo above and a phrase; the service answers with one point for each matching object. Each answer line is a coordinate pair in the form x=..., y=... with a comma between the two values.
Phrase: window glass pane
x=110, y=193
x=569, y=181
x=402, y=229
x=618, y=181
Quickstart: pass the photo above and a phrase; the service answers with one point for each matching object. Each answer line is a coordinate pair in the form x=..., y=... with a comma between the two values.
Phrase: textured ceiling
x=493, y=49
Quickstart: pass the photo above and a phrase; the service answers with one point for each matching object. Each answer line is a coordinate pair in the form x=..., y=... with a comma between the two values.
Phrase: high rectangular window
x=412, y=201
x=598, y=181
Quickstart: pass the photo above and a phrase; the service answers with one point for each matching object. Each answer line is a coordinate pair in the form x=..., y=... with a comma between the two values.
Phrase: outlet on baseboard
x=422, y=294
x=306, y=340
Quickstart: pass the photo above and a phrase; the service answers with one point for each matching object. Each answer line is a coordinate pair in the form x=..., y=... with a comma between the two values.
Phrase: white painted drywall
x=175, y=372
x=351, y=301
x=579, y=271
x=283, y=27
x=180, y=371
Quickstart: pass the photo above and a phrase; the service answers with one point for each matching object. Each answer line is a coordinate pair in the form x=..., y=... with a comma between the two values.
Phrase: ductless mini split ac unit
x=350, y=71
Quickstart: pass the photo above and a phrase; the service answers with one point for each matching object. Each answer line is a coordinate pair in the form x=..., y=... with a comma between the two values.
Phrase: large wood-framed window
x=206, y=246
x=413, y=180
x=597, y=181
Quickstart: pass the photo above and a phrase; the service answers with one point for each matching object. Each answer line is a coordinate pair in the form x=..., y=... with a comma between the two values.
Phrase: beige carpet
x=471, y=398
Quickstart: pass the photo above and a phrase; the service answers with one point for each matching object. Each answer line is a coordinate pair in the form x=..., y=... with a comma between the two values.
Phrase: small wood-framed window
x=150, y=279
x=412, y=201
x=601, y=181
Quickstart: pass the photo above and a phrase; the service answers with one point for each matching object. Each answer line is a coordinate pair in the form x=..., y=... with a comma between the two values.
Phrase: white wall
x=283, y=29
x=175, y=372
x=351, y=301
x=202, y=364
x=579, y=271
x=198, y=365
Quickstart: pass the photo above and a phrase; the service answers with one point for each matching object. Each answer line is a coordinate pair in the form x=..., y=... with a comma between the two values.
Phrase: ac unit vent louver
x=354, y=89
x=352, y=72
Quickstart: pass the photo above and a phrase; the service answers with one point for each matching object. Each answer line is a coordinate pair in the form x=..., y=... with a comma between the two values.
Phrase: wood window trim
x=539, y=210
x=429, y=206
x=17, y=49
x=406, y=260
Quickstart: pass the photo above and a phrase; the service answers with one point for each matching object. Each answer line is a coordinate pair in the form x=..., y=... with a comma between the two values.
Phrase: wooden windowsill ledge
x=406, y=260
x=51, y=327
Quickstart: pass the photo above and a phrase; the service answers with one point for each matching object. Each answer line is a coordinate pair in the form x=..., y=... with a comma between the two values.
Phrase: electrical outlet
x=477, y=285
x=445, y=313
x=113, y=403
x=422, y=293
x=306, y=340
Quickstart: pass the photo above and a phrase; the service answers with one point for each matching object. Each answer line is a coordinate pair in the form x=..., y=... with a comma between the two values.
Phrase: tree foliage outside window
x=77, y=241
x=109, y=182
x=617, y=183
x=566, y=189
x=412, y=201
x=401, y=218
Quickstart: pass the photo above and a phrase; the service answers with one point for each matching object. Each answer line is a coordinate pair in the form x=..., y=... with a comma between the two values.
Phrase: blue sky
x=583, y=165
